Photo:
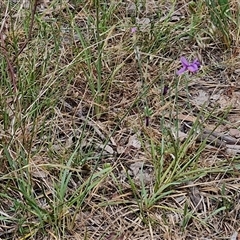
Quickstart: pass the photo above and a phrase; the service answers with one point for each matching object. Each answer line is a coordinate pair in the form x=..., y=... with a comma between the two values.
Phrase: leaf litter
x=125, y=150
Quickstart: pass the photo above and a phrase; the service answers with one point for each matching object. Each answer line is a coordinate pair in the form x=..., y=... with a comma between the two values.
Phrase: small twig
x=225, y=138
x=213, y=140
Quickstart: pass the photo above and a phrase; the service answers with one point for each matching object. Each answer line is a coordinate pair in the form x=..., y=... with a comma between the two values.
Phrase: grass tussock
x=101, y=138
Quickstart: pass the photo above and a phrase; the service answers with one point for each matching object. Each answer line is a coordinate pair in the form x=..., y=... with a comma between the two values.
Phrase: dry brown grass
x=81, y=163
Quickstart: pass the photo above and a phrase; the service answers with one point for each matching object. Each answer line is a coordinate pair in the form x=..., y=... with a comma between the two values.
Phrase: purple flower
x=133, y=30
x=191, y=67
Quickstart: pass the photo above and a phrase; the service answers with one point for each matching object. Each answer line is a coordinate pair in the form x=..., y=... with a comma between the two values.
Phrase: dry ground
x=100, y=139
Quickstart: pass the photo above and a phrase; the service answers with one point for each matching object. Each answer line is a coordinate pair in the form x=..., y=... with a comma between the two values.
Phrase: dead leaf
x=232, y=101
x=202, y=98
x=134, y=142
x=224, y=101
x=121, y=149
x=139, y=173
x=234, y=132
x=38, y=172
x=144, y=24
x=182, y=136
x=235, y=236
x=107, y=148
x=131, y=9
x=136, y=167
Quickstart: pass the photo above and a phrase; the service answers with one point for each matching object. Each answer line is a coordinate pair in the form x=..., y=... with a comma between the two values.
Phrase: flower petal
x=133, y=30
x=196, y=62
x=193, y=68
x=184, y=61
x=182, y=70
